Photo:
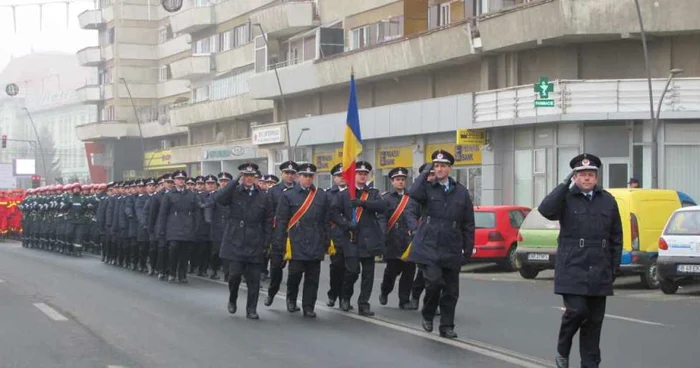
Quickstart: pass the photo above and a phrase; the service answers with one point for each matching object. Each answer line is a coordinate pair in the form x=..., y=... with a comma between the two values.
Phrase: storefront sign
x=389, y=158
x=269, y=135
x=543, y=88
x=471, y=137
x=224, y=153
x=324, y=161
x=465, y=154
x=156, y=159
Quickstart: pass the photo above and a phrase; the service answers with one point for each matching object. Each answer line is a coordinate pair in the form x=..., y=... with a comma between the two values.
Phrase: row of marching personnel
x=253, y=227
x=10, y=214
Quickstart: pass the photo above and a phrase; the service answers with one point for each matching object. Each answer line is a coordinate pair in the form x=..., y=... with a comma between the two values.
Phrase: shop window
x=323, y=181
x=470, y=177
x=522, y=193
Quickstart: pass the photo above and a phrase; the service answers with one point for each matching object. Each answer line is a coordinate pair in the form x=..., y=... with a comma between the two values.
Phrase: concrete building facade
x=268, y=74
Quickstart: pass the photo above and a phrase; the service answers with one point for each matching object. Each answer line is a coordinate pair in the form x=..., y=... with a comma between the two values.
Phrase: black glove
x=427, y=169
x=568, y=178
x=357, y=203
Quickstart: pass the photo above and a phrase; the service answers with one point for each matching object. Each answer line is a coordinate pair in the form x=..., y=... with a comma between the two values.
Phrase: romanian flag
x=352, y=144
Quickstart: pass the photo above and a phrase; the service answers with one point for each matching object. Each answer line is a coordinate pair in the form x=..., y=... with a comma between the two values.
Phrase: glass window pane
x=523, y=178
x=484, y=220
x=564, y=155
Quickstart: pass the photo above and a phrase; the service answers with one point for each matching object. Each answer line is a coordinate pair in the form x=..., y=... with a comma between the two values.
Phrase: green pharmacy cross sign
x=543, y=87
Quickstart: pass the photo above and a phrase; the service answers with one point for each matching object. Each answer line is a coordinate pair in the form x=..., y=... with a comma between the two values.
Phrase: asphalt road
x=115, y=317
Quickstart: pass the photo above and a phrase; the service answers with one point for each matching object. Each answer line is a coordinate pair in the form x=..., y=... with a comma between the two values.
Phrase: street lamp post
x=290, y=154
x=38, y=142
x=297, y=141
x=136, y=114
x=655, y=130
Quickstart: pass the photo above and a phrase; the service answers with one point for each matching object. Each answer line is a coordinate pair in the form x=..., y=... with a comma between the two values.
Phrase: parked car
x=679, y=250
x=496, y=237
x=537, y=245
x=643, y=212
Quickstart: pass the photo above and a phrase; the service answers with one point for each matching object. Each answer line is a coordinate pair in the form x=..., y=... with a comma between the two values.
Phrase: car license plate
x=538, y=257
x=688, y=268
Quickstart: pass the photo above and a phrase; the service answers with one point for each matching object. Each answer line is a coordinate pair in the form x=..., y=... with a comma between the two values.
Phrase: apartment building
x=426, y=69
x=133, y=88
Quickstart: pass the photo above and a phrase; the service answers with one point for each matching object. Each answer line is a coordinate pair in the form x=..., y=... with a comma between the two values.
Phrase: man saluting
x=588, y=255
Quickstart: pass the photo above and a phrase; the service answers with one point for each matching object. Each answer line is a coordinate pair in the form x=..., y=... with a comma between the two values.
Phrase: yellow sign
x=389, y=158
x=156, y=159
x=324, y=161
x=471, y=136
x=465, y=154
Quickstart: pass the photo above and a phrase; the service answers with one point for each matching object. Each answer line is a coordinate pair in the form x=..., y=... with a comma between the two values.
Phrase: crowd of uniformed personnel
x=253, y=226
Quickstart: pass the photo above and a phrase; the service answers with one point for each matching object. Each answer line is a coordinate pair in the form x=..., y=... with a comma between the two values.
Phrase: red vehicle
x=497, y=234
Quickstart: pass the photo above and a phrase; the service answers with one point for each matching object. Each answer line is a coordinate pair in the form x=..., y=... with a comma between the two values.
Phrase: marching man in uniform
x=399, y=222
x=443, y=241
x=301, y=236
x=588, y=256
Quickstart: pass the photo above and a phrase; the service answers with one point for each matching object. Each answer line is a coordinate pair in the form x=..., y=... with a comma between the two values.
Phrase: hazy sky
x=54, y=35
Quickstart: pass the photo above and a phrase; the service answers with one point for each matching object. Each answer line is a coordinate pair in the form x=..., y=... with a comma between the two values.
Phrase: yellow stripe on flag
x=288, y=250
x=331, y=249
x=405, y=254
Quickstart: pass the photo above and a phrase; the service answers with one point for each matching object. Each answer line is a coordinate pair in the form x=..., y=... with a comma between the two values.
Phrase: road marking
x=116, y=366
x=52, y=313
x=628, y=319
x=474, y=346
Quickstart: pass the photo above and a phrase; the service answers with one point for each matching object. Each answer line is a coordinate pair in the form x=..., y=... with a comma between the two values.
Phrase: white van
x=679, y=250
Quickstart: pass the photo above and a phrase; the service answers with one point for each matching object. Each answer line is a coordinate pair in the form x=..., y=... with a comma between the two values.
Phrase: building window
x=241, y=35
x=444, y=15
x=225, y=41
x=202, y=47
x=164, y=73
x=201, y=94
x=359, y=38
x=230, y=86
x=390, y=29
x=260, y=55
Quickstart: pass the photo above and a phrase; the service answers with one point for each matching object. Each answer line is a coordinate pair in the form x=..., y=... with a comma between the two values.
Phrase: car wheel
x=668, y=286
x=510, y=264
x=528, y=272
x=650, y=277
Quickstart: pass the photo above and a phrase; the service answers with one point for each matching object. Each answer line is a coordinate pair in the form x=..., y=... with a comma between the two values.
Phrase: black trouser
x=337, y=274
x=441, y=287
x=584, y=314
x=162, y=263
x=177, y=257
x=203, y=255
x=353, y=267
x=394, y=268
x=276, y=274
x=251, y=271
x=418, y=285
x=144, y=248
x=214, y=260
x=311, y=271
x=153, y=254
x=133, y=252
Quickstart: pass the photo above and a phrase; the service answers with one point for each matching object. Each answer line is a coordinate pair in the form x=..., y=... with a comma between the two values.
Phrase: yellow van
x=644, y=213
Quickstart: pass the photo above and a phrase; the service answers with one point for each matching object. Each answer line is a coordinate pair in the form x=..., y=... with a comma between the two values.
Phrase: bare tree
x=53, y=162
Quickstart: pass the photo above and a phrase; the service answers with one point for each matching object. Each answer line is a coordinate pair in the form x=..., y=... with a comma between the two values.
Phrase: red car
x=497, y=234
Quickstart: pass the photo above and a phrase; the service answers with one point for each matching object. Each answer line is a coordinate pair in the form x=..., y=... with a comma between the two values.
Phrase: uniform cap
x=225, y=176
x=248, y=169
x=168, y=177
x=443, y=157
x=210, y=179
x=585, y=161
x=337, y=170
x=199, y=179
x=180, y=174
x=398, y=172
x=190, y=181
x=363, y=166
x=272, y=179
x=151, y=181
x=307, y=169
x=289, y=166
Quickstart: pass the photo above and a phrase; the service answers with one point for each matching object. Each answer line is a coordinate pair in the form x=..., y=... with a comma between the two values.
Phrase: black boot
x=448, y=333
x=268, y=300
x=427, y=325
x=231, y=308
x=383, y=299
x=345, y=305
x=331, y=302
x=251, y=314
x=415, y=303
x=309, y=313
x=365, y=311
x=562, y=362
x=292, y=306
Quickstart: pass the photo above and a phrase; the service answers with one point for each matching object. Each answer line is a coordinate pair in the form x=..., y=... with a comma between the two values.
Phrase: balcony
x=91, y=19
x=584, y=100
x=173, y=87
x=286, y=18
x=238, y=106
x=227, y=10
x=235, y=58
x=192, y=67
x=106, y=130
x=429, y=49
x=193, y=19
x=92, y=94
x=574, y=20
x=153, y=129
x=174, y=46
x=90, y=56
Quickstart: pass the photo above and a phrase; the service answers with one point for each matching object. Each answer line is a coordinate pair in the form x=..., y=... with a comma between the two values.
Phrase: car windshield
x=535, y=220
x=484, y=220
x=684, y=223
